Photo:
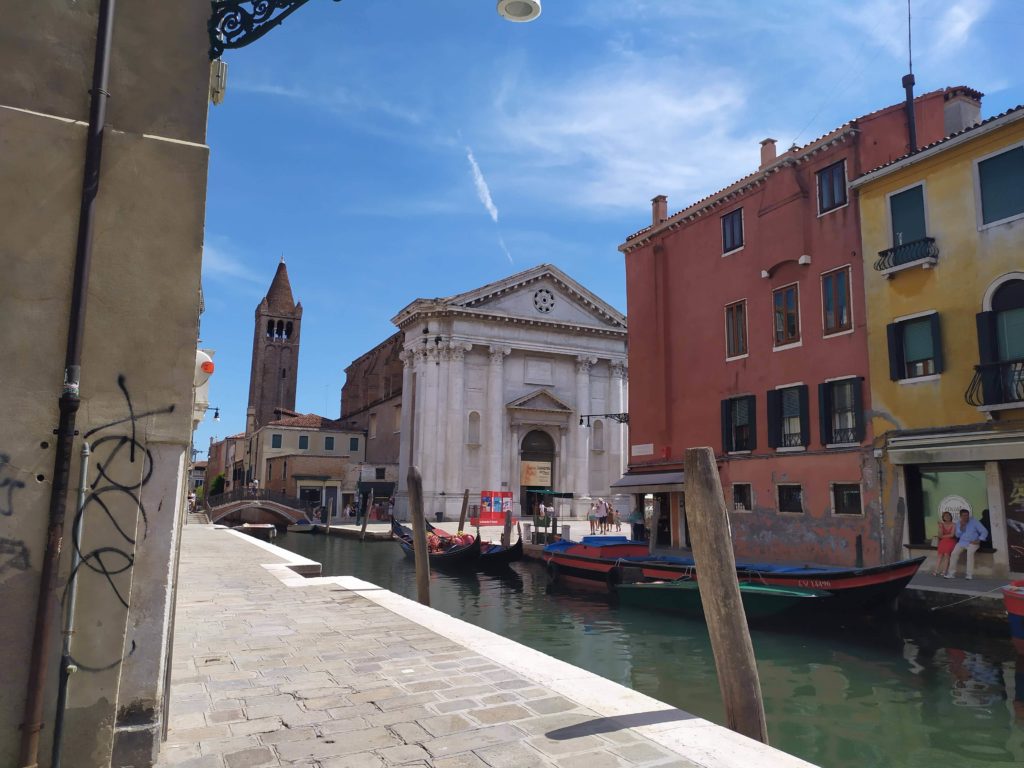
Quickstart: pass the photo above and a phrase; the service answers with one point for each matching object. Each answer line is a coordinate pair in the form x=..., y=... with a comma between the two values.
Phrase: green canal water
x=887, y=695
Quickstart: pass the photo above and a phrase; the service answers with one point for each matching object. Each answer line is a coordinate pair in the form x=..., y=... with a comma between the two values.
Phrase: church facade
x=518, y=386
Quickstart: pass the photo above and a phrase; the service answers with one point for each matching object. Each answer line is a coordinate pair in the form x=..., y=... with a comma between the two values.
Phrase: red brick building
x=747, y=333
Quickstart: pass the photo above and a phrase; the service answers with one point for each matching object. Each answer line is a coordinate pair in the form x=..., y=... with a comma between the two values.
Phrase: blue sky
x=394, y=149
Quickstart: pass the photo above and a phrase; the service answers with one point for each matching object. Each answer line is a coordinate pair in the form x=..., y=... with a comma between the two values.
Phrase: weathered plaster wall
x=139, y=349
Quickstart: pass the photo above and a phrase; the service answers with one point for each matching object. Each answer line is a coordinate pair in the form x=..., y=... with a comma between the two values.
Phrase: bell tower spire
x=275, y=353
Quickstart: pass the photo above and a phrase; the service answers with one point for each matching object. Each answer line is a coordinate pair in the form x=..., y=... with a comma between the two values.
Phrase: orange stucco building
x=747, y=334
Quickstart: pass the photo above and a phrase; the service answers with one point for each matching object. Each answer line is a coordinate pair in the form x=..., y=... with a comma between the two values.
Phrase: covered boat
x=493, y=555
x=760, y=601
x=302, y=526
x=1013, y=599
x=604, y=559
x=453, y=555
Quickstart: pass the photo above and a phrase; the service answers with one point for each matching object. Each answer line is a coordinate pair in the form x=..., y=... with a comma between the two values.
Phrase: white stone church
x=496, y=383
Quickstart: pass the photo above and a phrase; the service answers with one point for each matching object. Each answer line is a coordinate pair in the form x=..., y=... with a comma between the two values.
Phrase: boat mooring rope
x=966, y=599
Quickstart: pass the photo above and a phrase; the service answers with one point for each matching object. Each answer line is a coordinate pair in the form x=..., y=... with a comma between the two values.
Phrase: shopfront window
x=934, y=486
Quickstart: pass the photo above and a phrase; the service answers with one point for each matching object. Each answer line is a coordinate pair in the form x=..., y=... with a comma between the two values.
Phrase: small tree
x=217, y=486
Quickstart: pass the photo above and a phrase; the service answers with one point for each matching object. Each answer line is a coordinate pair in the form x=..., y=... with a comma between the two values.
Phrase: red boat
x=1013, y=599
x=612, y=560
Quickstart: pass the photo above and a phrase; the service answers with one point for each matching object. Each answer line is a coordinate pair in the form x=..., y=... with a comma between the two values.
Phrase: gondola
x=456, y=556
x=492, y=555
x=610, y=560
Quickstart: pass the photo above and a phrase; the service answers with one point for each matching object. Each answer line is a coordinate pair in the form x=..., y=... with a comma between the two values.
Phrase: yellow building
x=943, y=235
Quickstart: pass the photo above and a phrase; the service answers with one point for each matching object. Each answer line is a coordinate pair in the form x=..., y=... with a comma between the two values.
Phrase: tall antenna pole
x=910, y=48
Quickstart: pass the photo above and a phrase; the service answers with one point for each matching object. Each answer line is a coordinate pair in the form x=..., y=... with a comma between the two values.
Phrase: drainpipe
x=70, y=397
x=67, y=664
x=908, y=85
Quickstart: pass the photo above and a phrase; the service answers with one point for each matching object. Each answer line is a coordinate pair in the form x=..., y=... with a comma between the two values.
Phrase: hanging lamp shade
x=519, y=10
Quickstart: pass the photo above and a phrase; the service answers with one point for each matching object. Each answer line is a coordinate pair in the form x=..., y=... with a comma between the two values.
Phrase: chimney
x=908, y=85
x=961, y=110
x=659, y=210
x=767, y=153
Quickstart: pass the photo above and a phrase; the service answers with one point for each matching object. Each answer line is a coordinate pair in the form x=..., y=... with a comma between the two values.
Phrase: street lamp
x=236, y=23
x=622, y=418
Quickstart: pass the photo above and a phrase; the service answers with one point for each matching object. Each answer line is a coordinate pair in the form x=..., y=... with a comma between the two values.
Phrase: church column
x=430, y=419
x=563, y=477
x=495, y=415
x=455, y=445
x=405, y=425
x=513, y=462
x=617, y=431
x=441, y=440
x=582, y=455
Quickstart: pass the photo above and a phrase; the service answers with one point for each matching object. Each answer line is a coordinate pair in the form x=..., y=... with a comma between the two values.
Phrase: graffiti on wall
x=14, y=554
x=121, y=466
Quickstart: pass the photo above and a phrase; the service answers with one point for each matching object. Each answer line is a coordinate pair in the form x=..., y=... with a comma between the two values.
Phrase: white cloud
x=482, y=190
x=627, y=131
x=341, y=101
x=220, y=265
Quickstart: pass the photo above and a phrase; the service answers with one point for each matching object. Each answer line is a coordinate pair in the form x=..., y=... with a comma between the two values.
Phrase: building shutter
x=858, y=409
x=894, y=334
x=825, y=412
x=805, y=418
x=907, y=216
x=774, y=401
x=936, y=328
x=752, y=411
x=988, y=352
x=726, y=426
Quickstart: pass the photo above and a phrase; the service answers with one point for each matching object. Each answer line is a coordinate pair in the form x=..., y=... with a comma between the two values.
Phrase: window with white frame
x=1001, y=185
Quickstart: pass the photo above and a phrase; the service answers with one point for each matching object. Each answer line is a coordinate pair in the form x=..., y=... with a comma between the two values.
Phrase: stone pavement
x=270, y=669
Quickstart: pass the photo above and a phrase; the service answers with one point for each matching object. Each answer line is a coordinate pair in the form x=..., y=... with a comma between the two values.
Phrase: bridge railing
x=262, y=494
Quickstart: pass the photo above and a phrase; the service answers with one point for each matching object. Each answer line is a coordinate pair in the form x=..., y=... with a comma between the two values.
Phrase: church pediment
x=543, y=294
x=540, y=400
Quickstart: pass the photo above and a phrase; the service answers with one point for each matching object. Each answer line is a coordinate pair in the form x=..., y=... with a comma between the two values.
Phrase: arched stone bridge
x=281, y=508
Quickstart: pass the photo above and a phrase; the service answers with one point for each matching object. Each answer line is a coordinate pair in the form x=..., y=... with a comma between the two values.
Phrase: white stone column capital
x=498, y=352
x=584, y=363
x=619, y=368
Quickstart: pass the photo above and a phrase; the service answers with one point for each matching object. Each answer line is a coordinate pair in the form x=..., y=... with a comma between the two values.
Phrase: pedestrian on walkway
x=602, y=516
x=592, y=517
x=970, y=533
x=947, y=541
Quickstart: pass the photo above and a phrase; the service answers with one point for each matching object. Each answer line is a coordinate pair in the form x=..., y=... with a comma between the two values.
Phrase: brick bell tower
x=275, y=353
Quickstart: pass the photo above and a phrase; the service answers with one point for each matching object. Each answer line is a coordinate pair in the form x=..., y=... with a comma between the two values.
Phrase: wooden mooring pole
x=465, y=510
x=419, y=535
x=366, y=515
x=713, y=558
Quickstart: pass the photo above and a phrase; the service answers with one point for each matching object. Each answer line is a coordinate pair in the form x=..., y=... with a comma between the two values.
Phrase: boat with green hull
x=760, y=601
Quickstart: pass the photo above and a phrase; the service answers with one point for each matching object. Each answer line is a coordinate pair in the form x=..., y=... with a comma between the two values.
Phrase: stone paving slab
x=271, y=669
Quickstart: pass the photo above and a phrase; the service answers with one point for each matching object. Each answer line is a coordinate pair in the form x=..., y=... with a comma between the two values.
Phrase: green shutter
x=907, y=216
x=1002, y=185
x=917, y=340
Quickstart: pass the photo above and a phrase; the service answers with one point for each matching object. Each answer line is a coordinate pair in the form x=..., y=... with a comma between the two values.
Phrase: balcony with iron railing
x=997, y=385
x=917, y=253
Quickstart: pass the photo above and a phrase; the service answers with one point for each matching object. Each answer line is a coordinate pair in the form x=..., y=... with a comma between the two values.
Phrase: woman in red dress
x=947, y=541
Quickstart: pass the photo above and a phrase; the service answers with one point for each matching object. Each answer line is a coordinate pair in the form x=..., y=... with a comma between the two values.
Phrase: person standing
x=947, y=541
x=969, y=533
x=602, y=516
x=592, y=517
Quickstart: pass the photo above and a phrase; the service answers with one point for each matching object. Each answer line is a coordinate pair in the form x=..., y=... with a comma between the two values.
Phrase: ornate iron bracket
x=233, y=25
x=622, y=418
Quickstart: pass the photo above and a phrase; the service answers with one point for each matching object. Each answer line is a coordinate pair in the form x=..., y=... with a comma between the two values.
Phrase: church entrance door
x=537, y=467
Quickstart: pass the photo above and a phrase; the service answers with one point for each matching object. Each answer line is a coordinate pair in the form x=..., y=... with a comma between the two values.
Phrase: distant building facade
x=371, y=401
x=499, y=385
x=943, y=233
x=308, y=457
x=747, y=321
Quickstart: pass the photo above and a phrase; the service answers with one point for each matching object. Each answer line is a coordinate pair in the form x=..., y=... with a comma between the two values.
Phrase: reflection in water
x=867, y=694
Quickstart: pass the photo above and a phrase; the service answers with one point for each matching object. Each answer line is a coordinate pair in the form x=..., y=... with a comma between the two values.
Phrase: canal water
x=885, y=695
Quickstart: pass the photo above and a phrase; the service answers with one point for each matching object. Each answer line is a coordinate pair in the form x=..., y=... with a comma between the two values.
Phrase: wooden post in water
x=330, y=516
x=366, y=516
x=465, y=510
x=506, y=534
x=419, y=535
x=713, y=558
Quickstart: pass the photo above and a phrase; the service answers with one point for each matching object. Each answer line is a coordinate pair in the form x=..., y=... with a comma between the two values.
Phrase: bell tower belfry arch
x=275, y=353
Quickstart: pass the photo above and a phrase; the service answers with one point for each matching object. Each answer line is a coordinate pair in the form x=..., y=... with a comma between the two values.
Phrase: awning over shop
x=380, y=490
x=649, y=482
